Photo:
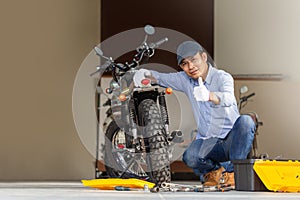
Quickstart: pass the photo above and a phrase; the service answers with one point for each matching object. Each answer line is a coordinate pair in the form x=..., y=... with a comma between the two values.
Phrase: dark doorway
x=193, y=18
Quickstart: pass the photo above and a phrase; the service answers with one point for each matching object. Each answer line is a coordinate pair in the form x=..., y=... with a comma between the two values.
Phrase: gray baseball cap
x=188, y=49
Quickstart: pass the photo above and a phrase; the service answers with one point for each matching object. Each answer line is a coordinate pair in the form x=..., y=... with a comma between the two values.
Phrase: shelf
x=263, y=77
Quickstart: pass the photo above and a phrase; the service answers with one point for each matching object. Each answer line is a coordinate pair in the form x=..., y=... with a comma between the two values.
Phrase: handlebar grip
x=250, y=95
x=245, y=98
x=160, y=42
x=101, y=68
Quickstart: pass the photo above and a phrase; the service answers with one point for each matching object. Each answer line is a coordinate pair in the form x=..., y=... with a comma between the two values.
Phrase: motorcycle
x=243, y=100
x=136, y=127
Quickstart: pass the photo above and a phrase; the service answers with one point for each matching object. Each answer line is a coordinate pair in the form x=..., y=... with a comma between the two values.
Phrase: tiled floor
x=75, y=191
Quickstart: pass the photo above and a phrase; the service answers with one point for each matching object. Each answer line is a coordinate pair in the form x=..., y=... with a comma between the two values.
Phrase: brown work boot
x=213, y=178
x=227, y=178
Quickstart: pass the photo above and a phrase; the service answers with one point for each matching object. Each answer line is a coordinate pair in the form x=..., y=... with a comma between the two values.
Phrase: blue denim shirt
x=212, y=120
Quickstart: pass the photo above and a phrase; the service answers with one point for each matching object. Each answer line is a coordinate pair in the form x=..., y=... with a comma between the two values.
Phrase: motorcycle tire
x=157, y=160
x=116, y=156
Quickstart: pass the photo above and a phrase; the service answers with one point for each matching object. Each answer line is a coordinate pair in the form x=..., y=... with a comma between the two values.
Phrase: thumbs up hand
x=200, y=92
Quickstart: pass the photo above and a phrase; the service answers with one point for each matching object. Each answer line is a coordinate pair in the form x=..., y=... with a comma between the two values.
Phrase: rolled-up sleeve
x=226, y=90
x=172, y=80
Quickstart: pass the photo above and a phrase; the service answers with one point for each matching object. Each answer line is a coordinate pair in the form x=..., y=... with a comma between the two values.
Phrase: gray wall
x=42, y=46
x=262, y=36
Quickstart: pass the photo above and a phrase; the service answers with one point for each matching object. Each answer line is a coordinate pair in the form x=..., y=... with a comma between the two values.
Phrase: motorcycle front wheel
x=123, y=161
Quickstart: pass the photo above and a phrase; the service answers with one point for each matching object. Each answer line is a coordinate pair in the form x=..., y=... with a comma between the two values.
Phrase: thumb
x=200, y=81
x=147, y=73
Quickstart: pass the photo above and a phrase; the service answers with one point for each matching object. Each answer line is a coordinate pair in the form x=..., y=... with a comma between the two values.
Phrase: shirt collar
x=210, y=73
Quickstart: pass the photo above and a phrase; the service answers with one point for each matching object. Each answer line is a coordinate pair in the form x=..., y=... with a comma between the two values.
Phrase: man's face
x=195, y=66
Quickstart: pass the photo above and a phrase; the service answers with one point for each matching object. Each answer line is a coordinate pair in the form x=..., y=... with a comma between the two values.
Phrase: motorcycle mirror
x=98, y=51
x=243, y=89
x=149, y=29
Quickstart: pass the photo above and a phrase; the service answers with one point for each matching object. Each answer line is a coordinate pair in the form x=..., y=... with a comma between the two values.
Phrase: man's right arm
x=175, y=80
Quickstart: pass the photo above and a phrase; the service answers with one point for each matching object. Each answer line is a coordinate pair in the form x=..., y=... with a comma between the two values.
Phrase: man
x=223, y=135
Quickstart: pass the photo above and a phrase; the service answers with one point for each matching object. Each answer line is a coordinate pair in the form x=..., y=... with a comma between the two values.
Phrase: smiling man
x=223, y=134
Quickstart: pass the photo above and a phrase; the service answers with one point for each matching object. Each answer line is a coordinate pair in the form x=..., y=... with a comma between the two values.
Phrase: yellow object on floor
x=111, y=183
x=279, y=176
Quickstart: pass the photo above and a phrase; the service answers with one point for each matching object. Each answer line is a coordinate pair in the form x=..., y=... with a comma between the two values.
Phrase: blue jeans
x=208, y=155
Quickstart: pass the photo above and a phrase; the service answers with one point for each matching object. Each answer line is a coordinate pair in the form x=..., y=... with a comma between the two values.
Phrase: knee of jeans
x=246, y=122
x=191, y=159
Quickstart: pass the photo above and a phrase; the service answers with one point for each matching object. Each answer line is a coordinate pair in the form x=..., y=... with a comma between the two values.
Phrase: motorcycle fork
x=131, y=129
x=164, y=111
x=128, y=114
x=138, y=142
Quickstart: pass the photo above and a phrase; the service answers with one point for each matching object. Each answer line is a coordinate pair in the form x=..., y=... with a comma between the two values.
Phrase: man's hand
x=140, y=75
x=200, y=92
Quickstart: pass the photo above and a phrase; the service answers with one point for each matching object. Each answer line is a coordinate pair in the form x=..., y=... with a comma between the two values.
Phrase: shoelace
x=211, y=175
x=223, y=178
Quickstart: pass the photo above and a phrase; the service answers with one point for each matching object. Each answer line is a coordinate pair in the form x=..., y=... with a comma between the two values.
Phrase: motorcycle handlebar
x=131, y=65
x=245, y=98
x=143, y=50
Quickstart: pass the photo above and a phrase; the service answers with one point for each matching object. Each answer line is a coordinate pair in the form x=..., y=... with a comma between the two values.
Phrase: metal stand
x=97, y=172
